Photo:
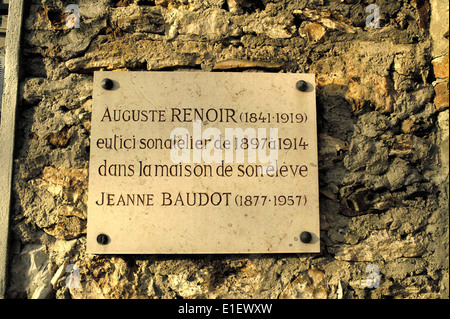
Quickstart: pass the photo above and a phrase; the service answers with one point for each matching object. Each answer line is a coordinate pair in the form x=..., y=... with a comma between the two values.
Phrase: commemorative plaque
x=203, y=162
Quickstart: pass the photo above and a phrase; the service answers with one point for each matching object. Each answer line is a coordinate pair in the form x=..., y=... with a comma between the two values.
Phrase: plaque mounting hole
x=107, y=84
x=301, y=85
x=306, y=237
x=103, y=239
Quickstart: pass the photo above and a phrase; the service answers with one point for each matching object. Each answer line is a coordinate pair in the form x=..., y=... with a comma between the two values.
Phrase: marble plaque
x=203, y=163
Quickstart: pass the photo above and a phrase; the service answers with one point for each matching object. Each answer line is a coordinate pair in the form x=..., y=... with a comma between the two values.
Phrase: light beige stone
x=312, y=31
x=440, y=66
x=441, y=100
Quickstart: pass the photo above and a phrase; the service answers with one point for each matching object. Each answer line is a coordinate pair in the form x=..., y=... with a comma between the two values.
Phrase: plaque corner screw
x=306, y=237
x=301, y=85
x=103, y=239
x=107, y=84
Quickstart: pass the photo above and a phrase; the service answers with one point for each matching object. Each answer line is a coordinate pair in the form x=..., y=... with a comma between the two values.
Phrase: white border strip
x=7, y=129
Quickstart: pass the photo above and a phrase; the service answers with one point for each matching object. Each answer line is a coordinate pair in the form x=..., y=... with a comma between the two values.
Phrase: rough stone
x=401, y=174
x=49, y=35
x=440, y=67
x=34, y=262
x=441, y=99
x=279, y=27
x=59, y=139
x=382, y=105
x=443, y=137
x=70, y=92
x=341, y=74
x=312, y=31
x=439, y=26
x=327, y=18
x=423, y=12
x=331, y=150
x=138, y=19
x=309, y=285
x=381, y=245
x=213, y=25
x=240, y=64
x=410, y=147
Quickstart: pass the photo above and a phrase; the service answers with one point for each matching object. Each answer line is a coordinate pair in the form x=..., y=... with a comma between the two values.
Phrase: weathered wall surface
x=383, y=128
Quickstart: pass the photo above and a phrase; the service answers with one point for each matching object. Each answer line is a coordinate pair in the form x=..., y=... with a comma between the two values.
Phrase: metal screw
x=301, y=85
x=305, y=237
x=107, y=84
x=103, y=239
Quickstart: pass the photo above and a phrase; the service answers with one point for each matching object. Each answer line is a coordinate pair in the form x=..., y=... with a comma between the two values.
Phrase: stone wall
x=382, y=101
